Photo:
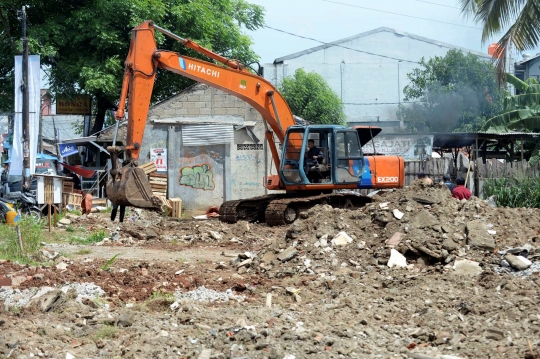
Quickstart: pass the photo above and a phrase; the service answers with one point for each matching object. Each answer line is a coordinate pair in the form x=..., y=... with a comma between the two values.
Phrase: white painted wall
x=368, y=85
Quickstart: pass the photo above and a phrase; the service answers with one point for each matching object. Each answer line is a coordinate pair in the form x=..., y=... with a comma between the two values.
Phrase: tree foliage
x=310, y=97
x=457, y=92
x=83, y=44
x=521, y=112
x=521, y=18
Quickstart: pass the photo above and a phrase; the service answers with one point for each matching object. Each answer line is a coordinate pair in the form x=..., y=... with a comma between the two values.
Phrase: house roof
x=534, y=58
x=371, y=32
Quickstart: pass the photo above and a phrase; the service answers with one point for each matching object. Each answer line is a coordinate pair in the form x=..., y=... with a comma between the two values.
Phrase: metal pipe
x=168, y=33
x=271, y=95
x=115, y=133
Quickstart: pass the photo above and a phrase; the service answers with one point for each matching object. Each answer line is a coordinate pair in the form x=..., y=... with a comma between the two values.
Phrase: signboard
x=67, y=149
x=410, y=147
x=159, y=157
x=73, y=105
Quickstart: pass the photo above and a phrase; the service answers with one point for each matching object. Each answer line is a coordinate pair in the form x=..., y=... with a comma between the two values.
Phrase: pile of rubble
x=413, y=227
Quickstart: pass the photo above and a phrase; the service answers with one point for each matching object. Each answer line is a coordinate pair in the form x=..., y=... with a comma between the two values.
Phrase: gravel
x=19, y=298
x=203, y=294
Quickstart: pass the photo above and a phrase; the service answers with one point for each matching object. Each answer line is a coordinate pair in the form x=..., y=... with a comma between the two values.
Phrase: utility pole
x=25, y=107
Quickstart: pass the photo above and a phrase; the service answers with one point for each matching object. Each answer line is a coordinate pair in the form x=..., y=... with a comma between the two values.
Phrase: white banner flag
x=34, y=105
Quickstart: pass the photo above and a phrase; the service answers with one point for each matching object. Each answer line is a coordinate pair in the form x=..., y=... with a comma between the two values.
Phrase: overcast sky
x=329, y=21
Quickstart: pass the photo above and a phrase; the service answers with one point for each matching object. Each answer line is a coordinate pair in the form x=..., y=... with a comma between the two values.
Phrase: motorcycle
x=25, y=202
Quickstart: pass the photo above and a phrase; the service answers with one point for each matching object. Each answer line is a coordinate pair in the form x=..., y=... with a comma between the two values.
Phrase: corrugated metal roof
x=203, y=135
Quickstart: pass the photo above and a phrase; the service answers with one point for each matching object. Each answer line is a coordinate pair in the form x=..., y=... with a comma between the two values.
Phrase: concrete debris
x=341, y=239
x=215, y=235
x=287, y=254
x=478, y=236
x=517, y=262
x=396, y=259
x=466, y=267
x=202, y=294
x=62, y=266
x=65, y=221
x=398, y=214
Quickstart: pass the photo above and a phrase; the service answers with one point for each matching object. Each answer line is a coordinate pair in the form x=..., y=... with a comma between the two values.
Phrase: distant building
x=368, y=71
x=528, y=67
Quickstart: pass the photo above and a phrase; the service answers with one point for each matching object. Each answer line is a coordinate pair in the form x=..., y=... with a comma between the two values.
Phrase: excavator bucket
x=130, y=187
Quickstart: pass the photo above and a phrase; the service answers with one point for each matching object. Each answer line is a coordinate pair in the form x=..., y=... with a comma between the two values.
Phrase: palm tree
x=523, y=17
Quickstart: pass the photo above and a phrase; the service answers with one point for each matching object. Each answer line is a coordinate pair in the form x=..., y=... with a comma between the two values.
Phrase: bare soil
x=303, y=296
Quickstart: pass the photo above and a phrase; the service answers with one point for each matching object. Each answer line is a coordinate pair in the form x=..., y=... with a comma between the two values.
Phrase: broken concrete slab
x=287, y=254
x=65, y=221
x=478, y=236
x=466, y=267
x=396, y=259
x=398, y=214
x=341, y=239
x=422, y=219
x=517, y=262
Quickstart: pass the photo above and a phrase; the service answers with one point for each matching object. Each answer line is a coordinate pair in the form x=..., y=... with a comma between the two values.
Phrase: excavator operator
x=313, y=160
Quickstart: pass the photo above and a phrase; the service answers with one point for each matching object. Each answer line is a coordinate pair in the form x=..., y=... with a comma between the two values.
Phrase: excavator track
x=282, y=209
x=251, y=209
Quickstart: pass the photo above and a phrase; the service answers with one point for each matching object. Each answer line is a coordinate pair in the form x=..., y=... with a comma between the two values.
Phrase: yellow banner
x=74, y=105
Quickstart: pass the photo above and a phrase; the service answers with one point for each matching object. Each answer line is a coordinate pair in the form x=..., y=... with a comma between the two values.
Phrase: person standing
x=115, y=210
x=461, y=192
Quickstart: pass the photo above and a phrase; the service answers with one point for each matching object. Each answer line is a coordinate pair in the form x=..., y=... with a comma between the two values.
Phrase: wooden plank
x=148, y=167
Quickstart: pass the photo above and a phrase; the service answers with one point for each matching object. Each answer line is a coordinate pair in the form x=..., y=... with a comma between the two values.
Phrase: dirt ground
x=203, y=289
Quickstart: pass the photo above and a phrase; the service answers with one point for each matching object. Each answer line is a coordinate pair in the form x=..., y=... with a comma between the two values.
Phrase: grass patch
x=92, y=238
x=83, y=251
x=514, y=191
x=105, y=332
x=107, y=265
x=31, y=236
x=70, y=228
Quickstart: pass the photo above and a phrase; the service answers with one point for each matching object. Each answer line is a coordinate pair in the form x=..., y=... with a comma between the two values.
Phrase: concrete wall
x=371, y=87
x=225, y=171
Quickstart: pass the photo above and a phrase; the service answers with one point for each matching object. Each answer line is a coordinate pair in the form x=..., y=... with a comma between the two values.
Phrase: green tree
x=520, y=17
x=521, y=112
x=457, y=92
x=83, y=44
x=310, y=97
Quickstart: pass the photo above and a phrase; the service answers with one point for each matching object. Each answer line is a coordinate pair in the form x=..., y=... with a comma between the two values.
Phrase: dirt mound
x=424, y=223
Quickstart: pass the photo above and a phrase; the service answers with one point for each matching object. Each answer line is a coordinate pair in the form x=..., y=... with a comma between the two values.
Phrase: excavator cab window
x=349, y=157
x=292, y=153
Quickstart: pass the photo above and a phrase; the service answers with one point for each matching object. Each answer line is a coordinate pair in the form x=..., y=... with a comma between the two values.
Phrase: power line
x=362, y=51
x=345, y=47
x=379, y=103
x=434, y=3
x=395, y=13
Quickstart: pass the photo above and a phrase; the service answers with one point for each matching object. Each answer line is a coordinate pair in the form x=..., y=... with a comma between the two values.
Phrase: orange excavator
x=340, y=163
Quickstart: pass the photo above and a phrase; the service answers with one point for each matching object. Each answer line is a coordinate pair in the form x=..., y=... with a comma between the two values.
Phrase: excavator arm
x=128, y=185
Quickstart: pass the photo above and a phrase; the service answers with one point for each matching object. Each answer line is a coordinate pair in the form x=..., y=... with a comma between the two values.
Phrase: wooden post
x=19, y=237
x=54, y=209
x=49, y=215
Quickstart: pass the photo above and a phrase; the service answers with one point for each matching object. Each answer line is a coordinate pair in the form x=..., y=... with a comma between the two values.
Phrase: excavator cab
x=342, y=162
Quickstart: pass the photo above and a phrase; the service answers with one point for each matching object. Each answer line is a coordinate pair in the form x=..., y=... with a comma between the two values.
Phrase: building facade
x=368, y=71
x=215, y=147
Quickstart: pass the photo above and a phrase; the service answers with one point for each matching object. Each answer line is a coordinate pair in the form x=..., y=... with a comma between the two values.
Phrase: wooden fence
x=496, y=169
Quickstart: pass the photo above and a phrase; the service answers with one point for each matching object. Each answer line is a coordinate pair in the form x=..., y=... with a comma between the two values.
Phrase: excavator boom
x=128, y=185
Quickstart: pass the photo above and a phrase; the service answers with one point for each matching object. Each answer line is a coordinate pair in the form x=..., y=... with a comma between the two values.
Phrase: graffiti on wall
x=198, y=177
